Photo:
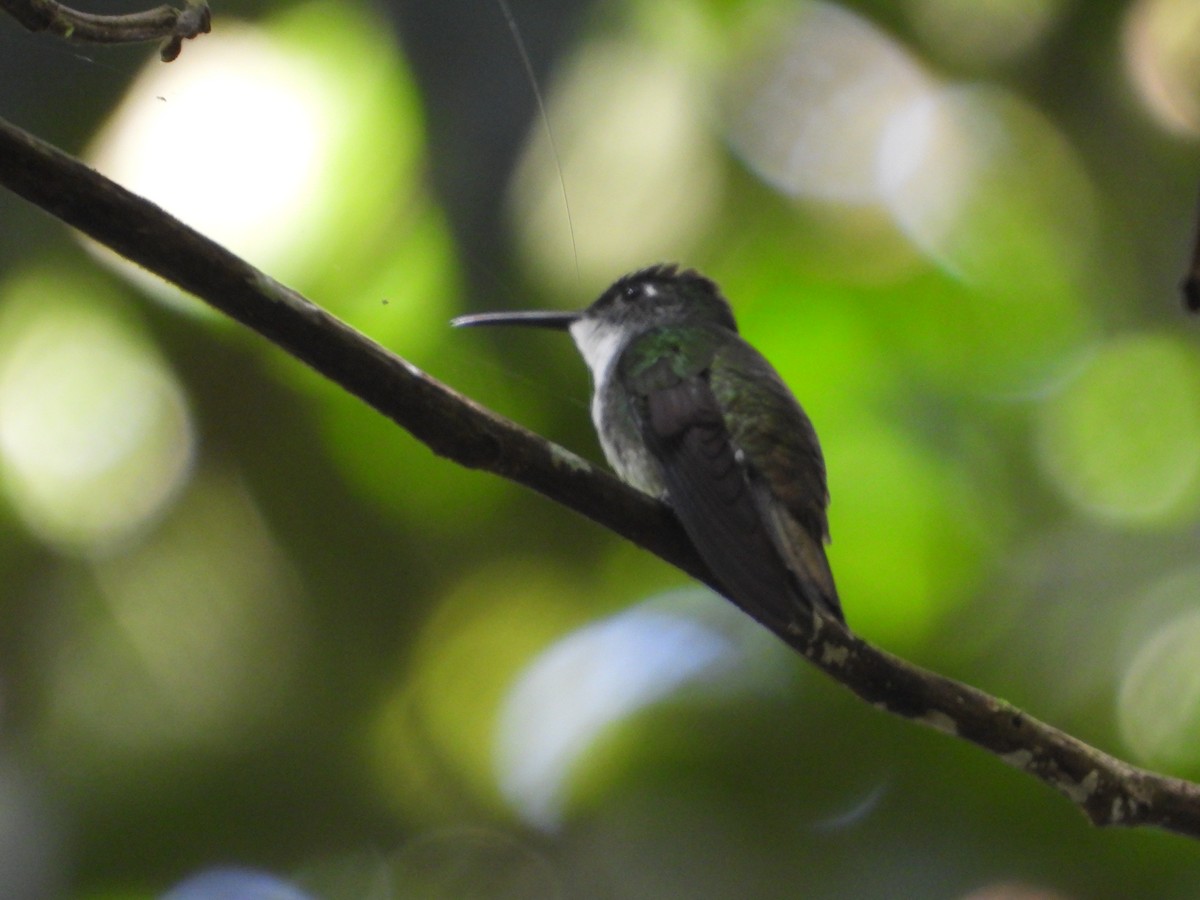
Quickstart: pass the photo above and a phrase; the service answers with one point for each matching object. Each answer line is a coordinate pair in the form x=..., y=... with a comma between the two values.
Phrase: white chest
x=600, y=344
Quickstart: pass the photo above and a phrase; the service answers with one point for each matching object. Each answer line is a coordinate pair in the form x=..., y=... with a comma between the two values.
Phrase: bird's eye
x=632, y=291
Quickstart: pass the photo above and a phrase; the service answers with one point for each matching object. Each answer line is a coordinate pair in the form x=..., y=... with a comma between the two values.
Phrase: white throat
x=600, y=344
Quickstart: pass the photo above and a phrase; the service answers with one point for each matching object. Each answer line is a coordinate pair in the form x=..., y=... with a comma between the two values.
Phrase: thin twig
x=1190, y=287
x=1107, y=790
x=163, y=23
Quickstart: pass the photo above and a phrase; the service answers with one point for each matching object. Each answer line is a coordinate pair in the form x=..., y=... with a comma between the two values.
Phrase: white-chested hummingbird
x=687, y=411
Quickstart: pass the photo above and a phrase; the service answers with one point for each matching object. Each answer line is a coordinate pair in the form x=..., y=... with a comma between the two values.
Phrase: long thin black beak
x=560, y=321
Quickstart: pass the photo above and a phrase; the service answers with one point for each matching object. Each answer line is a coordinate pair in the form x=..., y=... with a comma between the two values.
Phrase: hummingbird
x=688, y=412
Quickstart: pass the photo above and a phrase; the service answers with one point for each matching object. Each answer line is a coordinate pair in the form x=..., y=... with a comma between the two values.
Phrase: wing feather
x=715, y=498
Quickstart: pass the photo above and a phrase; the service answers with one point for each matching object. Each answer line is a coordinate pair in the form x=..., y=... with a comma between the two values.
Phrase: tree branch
x=1107, y=790
x=161, y=23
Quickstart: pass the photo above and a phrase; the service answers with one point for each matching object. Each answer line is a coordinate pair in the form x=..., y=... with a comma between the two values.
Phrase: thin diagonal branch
x=1107, y=790
x=163, y=23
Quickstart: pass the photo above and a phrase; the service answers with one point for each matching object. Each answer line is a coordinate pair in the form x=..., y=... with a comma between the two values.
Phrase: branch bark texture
x=1107, y=790
x=162, y=23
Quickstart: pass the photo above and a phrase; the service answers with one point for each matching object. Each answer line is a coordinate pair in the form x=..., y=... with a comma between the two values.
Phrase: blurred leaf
x=432, y=745
x=1122, y=439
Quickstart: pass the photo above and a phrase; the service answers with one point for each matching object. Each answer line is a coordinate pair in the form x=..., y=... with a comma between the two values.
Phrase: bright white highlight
x=586, y=682
x=812, y=109
x=233, y=143
x=95, y=435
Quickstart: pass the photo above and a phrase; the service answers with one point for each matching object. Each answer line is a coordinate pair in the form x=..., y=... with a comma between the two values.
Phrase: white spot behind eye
x=649, y=290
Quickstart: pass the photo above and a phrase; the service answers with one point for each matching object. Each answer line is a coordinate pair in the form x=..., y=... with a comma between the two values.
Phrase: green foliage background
x=245, y=621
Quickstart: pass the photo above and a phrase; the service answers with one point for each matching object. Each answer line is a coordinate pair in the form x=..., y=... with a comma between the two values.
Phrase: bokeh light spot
x=642, y=172
x=234, y=146
x=234, y=884
x=182, y=641
x=95, y=435
x=990, y=190
x=1160, y=41
x=432, y=738
x=1122, y=440
x=1158, y=705
x=598, y=675
x=812, y=104
x=286, y=142
x=1015, y=890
